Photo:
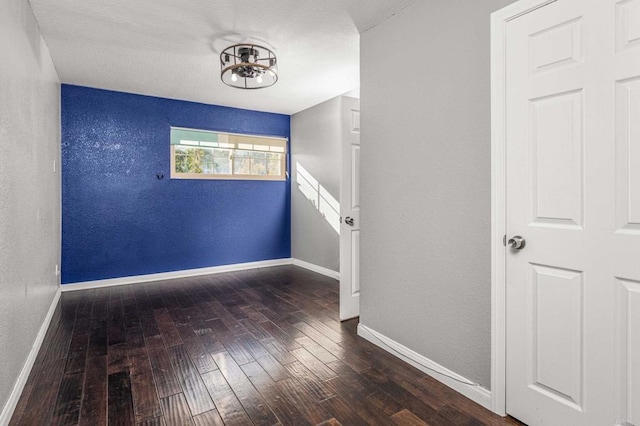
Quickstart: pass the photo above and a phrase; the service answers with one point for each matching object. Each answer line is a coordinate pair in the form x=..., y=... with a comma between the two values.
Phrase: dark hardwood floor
x=260, y=347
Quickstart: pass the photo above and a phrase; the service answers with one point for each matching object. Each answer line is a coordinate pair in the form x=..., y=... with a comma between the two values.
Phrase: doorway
x=566, y=203
x=350, y=210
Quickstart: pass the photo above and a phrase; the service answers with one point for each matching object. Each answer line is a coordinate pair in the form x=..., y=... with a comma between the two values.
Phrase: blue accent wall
x=119, y=219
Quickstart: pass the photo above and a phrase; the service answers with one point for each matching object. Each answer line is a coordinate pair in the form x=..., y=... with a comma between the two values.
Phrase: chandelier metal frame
x=248, y=66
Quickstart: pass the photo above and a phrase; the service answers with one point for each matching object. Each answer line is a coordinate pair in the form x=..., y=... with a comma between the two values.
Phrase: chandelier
x=248, y=66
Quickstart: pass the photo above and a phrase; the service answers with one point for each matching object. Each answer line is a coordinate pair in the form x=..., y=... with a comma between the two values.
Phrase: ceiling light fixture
x=248, y=66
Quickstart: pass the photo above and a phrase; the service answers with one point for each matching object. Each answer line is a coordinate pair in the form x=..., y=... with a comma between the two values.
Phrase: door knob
x=348, y=220
x=516, y=242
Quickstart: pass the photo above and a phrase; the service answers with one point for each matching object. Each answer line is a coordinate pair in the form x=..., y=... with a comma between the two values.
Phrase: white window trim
x=209, y=176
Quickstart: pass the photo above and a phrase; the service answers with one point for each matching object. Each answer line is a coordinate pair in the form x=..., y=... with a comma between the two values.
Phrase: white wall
x=316, y=145
x=29, y=190
x=425, y=182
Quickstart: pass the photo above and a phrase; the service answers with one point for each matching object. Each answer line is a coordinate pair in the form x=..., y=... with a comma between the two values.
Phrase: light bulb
x=259, y=79
x=234, y=77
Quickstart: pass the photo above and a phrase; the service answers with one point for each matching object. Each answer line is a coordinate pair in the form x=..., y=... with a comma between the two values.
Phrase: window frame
x=237, y=139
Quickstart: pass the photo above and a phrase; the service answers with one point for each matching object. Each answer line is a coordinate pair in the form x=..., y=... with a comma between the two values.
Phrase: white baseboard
x=476, y=393
x=16, y=392
x=137, y=279
x=315, y=268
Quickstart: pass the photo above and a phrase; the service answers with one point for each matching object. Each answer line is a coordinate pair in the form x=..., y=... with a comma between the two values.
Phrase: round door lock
x=516, y=242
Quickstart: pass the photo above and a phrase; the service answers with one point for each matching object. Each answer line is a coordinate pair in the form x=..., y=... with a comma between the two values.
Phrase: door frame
x=499, y=20
x=348, y=105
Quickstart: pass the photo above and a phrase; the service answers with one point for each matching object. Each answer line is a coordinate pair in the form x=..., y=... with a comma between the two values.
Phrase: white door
x=350, y=210
x=573, y=194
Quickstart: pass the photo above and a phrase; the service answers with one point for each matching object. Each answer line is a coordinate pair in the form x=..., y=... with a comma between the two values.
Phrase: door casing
x=349, y=252
x=499, y=21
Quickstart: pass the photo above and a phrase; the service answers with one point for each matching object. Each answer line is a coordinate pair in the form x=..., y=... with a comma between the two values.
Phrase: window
x=200, y=154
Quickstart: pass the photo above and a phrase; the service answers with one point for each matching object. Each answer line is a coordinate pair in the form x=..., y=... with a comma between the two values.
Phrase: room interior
x=89, y=92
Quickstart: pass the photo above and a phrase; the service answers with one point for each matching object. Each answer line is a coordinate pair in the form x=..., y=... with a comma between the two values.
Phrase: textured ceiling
x=170, y=48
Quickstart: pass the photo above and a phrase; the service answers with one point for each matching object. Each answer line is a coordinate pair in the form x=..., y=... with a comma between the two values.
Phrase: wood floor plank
x=67, y=410
x=263, y=357
x=36, y=371
x=354, y=379
x=193, y=388
x=253, y=314
x=330, y=422
x=206, y=310
x=146, y=405
x=316, y=350
x=231, y=345
x=343, y=412
x=318, y=338
x=210, y=341
x=118, y=358
x=192, y=313
x=97, y=340
x=284, y=409
x=407, y=418
x=404, y=397
x=200, y=326
x=139, y=362
x=196, y=349
x=316, y=366
x=166, y=382
x=100, y=309
x=44, y=395
x=59, y=346
x=350, y=394
x=37, y=368
x=257, y=332
x=169, y=298
x=410, y=379
x=148, y=323
x=210, y=418
x=155, y=295
x=94, y=400
x=234, y=326
x=309, y=381
x=280, y=354
x=183, y=296
x=253, y=403
x=77, y=356
x=120, y=400
x=282, y=332
x=179, y=315
x=322, y=328
x=130, y=311
x=83, y=314
x=167, y=327
x=115, y=330
x=158, y=421
x=145, y=312
x=176, y=410
x=134, y=337
x=385, y=402
x=227, y=403
x=309, y=406
x=234, y=304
